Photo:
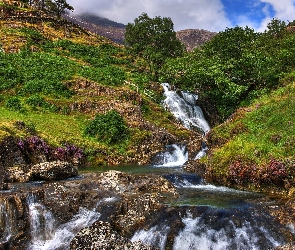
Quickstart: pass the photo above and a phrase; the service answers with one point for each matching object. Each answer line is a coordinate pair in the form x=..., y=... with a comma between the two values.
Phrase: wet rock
x=14, y=223
x=55, y=170
x=17, y=174
x=290, y=246
x=134, y=212
x=195, y=166
x=101, y=236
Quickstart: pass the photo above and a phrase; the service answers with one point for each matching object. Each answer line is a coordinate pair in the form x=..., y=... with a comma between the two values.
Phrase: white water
x=196, y=235
x=175, y=158
x=47, y=235
x=156, y=236
x=185, y=109
x=202, y=152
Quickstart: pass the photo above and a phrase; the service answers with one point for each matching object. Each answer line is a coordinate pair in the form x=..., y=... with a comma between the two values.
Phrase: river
x=203, y=216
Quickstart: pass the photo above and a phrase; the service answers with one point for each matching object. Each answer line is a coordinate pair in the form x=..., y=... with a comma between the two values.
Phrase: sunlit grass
x=263, y=131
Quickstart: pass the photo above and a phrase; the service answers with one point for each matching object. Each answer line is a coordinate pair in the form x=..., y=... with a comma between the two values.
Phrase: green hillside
x=55, y=78
x=255, y=147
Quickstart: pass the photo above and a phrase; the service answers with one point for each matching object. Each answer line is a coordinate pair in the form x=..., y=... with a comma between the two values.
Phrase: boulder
x=195, y=166
x=100, y=235
x=56, y=170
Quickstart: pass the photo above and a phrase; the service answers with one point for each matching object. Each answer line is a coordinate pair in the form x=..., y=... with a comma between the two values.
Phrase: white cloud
x=185, y=14
x=284, y=10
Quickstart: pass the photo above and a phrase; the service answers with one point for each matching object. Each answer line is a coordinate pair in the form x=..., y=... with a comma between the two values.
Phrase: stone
x=100, y=235
x=56, y=170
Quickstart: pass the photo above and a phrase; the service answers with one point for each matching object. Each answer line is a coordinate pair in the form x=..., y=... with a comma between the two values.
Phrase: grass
x=257, y=134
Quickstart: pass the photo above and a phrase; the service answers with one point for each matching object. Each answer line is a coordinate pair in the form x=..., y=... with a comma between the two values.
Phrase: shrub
x=274, y=173
x=37, y=101
x=241, y=173
x=109, y=127
x=14, y=103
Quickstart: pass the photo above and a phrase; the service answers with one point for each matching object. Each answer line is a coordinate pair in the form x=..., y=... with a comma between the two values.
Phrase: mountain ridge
x=191, y=38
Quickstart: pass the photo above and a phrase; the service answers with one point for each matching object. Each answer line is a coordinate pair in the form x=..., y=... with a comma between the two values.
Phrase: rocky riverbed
x=125, y=202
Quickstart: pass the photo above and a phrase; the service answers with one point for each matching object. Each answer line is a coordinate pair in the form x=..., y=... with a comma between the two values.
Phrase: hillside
x=101, y=26
x=255, y=148
x=56, y=77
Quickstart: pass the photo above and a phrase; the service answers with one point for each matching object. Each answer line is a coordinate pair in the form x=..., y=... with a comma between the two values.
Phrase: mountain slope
x=55, y=77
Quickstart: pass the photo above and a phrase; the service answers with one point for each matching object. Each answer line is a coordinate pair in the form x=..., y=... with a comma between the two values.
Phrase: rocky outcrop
x=195, y=166
x=100, y=235
x=194, y=38
x=23, y=160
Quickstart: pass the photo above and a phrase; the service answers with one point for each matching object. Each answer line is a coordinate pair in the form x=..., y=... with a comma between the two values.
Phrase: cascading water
x=184, y=108
x=46, y=234
x=174, y=156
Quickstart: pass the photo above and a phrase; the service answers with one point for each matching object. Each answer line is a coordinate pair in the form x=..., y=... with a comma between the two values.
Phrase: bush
x=36, y=101
x=109, y=127
x=14, y=103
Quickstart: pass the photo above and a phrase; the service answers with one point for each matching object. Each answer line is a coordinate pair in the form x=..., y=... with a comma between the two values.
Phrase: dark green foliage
x=14, y=103
x=109, y=127
x=109, y=75
x=36, y=101
x=154, y=39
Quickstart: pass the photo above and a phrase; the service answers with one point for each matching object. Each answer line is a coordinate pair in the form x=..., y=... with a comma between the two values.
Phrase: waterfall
x=202, y=152
x=174, y=156
x=197, y=235
x=46, y=232
x=184, y=108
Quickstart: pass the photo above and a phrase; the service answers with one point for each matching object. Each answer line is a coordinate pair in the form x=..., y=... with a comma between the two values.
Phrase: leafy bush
x=46, y=87
x=109, y=127
x=34, y=145
x=37, y=101
x=14, y=103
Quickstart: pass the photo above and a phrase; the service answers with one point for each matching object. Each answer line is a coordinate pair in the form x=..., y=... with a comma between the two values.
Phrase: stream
x=203, y=217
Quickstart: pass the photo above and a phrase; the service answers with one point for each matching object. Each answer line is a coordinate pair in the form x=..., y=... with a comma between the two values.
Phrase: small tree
x=58, y=7
x=154, y=40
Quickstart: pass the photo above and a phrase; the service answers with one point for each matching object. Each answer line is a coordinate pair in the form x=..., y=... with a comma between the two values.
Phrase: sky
x=212, y=15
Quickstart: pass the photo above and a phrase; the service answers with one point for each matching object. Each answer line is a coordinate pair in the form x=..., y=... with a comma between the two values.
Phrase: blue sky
x=212, y=15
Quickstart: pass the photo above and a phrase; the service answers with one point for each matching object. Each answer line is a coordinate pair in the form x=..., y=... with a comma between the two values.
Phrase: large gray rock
x=56, y=170
x=100, y=235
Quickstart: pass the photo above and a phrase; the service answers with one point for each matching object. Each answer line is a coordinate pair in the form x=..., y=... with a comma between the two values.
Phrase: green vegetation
x=70, y=87
x=256, y=146
x=55, y=77
x=236, y=66
x=154, y=40
x=109, y=127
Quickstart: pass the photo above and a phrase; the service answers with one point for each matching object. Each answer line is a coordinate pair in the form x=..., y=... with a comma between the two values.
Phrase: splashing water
x=155, y=236
x=184, y=109
x=47, y=235
x=175, y=156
